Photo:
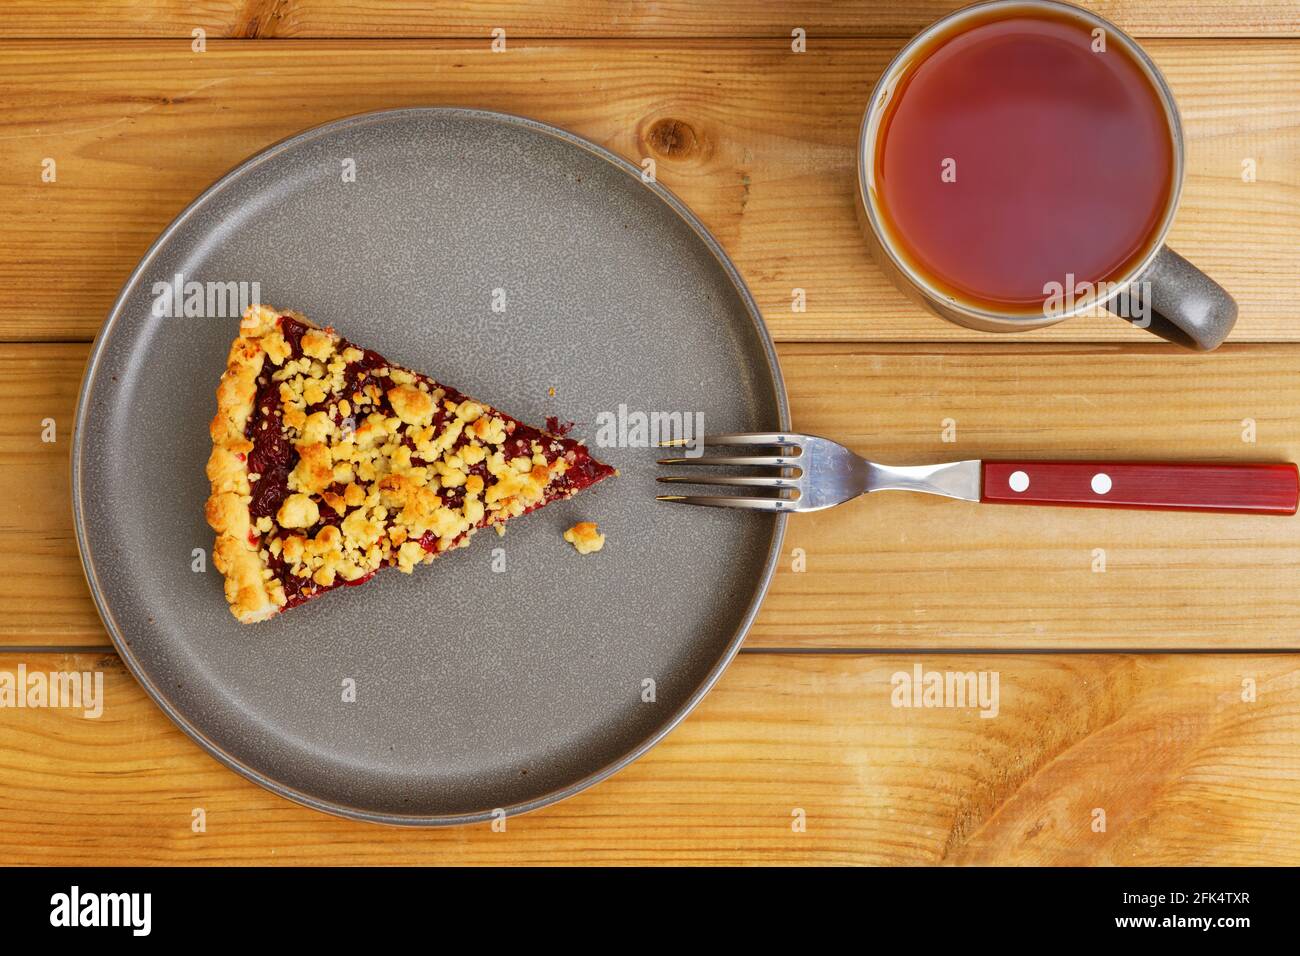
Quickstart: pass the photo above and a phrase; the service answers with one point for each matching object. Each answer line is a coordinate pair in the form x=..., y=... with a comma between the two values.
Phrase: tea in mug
x=1019, y=151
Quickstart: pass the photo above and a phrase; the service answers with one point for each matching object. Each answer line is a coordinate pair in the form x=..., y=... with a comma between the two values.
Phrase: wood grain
x=911, y=570
x=1185, y=771
x=758, y=140
x=42, y=587
x=892, y=570
x=589, y=18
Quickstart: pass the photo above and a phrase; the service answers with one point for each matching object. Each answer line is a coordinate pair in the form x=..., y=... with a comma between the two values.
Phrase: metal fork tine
x=748, y=480
x=779, y=481
x=718, y=501
x=734, y=460
x=737, y=438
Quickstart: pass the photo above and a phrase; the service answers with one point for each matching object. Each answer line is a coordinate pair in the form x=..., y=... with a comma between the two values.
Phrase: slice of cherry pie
x=329, y=462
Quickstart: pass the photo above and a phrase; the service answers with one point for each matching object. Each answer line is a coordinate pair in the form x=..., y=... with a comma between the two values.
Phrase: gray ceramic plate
x=476, y=689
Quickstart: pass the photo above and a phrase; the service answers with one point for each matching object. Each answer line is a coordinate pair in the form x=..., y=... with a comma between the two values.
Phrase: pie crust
x=329, y=463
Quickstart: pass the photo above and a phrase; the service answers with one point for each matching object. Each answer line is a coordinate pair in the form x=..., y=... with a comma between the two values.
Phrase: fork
x=829, y=474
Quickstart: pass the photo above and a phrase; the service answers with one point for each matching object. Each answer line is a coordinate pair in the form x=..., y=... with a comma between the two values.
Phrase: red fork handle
x=1182, y=486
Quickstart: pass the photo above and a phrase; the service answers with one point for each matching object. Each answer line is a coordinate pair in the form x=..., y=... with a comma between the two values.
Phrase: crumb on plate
x=585, y=537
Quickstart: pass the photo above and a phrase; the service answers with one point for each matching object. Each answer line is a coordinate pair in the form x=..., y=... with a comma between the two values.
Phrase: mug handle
x=1185, y=305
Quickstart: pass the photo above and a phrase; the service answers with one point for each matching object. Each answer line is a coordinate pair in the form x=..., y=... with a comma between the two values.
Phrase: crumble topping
x=344, y=463
x=585, y=537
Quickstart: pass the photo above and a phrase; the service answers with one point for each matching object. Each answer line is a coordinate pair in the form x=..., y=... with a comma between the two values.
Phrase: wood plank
x=758, y=140
x=895, y=570
x=917, y=571
x=42, y=587
x=1185, y=770
x=583, y=18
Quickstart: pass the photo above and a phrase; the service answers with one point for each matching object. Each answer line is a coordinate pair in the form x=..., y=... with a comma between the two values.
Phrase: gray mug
x=1176, y=300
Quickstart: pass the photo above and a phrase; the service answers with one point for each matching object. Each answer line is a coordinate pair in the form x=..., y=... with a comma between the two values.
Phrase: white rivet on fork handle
x=1018, y=480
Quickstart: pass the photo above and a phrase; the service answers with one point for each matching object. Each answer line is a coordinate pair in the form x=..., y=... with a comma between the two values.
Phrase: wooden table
x=1193, y=758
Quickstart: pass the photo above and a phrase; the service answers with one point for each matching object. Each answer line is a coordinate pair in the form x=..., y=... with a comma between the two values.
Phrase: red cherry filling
x=274, y=457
